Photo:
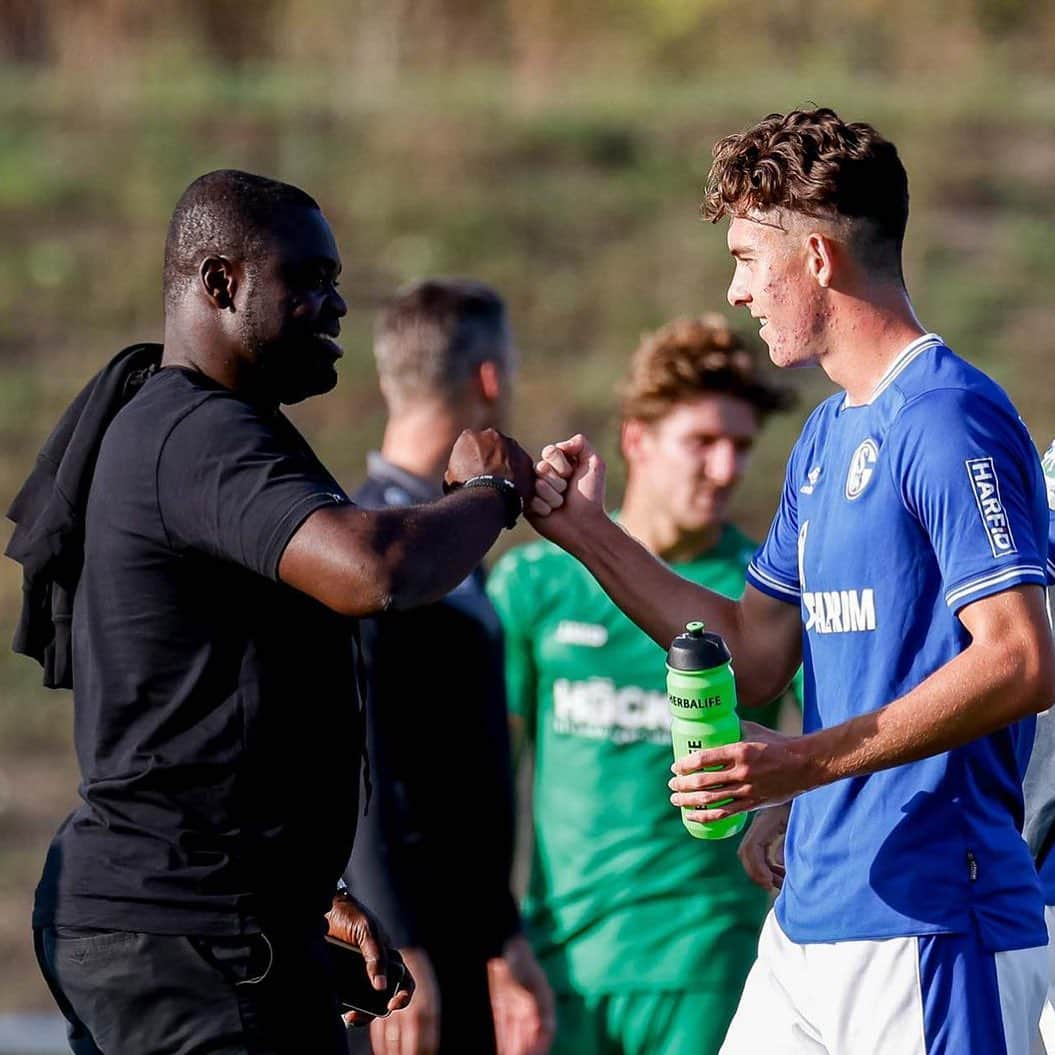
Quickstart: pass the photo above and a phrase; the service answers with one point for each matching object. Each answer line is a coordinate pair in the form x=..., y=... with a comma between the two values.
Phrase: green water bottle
x=702, y=696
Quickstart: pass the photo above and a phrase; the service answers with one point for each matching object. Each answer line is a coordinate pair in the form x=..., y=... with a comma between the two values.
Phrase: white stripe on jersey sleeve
x=776, y=584
x=979, y=585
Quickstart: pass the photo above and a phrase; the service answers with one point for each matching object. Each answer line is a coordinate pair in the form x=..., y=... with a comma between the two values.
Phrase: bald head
x=225, y=213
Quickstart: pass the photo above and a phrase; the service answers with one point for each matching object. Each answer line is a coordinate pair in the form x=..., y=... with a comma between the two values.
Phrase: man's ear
x=821, y=253
x=219, y=281
x=490, y=380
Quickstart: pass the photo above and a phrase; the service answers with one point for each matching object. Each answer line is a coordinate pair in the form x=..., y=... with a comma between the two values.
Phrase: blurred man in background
x=646, y=935
x=444, y=816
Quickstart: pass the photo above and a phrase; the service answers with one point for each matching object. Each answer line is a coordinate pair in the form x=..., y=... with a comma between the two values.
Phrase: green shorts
x=643, y=1023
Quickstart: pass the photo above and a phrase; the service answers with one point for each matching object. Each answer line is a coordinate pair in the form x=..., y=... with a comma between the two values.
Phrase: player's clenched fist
x=570, y=473
x=569, y=491
x=552, y=473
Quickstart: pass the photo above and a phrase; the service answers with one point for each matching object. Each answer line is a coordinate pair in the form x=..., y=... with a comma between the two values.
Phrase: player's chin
x=706, y=510
x=783, y=356
x=779, y=353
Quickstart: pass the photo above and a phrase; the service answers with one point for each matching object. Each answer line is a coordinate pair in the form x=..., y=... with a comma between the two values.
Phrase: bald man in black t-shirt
x=217, y=717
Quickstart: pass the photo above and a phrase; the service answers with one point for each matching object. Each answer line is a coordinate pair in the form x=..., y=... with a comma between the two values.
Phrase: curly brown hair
x=692, y=357
x=813, y=163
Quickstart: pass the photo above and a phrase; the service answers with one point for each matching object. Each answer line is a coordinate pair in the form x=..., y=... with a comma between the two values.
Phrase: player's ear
x=631, y=436
x=821, y=255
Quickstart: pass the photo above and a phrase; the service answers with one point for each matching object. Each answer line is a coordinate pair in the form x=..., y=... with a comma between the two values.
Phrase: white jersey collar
x=907, y=354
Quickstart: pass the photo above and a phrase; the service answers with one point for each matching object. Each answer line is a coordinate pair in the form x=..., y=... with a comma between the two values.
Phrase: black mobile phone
x=352, y=984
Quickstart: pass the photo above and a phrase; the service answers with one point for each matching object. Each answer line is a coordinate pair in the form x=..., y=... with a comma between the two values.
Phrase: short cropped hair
x=693, y=357
x=813, y=163
x=224, y=213
x=432, y=335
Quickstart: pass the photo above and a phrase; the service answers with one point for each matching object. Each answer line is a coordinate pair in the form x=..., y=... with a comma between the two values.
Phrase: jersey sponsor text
x=597, y=709
x=571, y=632
x=840, y=611
x=990, y=507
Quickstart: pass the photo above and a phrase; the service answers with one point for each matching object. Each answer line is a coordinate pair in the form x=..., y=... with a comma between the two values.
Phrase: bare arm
x=359, y=562
x=1006, y=673
x=764, y=635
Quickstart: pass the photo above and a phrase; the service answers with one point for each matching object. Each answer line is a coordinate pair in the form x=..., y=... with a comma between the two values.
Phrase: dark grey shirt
x=434, y=852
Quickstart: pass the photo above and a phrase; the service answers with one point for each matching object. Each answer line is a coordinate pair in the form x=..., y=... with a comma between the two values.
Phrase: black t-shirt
x=217, y=720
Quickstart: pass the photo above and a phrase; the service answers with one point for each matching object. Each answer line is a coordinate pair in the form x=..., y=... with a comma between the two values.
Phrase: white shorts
x=936, y=995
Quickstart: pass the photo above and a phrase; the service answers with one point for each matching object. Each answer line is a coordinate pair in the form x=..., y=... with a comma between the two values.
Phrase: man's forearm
x=429, y=549
x=360, y=562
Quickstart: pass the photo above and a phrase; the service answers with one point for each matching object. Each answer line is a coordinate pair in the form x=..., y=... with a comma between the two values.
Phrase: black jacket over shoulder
x=49, y=510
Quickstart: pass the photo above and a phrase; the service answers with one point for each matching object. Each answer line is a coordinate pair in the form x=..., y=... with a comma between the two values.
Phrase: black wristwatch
x=503, y=485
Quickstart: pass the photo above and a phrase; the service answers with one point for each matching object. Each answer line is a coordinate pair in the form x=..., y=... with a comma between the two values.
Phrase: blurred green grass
x=581, y=207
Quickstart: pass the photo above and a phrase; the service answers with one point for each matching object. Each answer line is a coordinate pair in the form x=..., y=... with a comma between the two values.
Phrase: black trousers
x=127, y=993
x=466, y=1024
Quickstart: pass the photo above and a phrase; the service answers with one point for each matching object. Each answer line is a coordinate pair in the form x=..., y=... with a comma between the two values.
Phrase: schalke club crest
x=862, y=465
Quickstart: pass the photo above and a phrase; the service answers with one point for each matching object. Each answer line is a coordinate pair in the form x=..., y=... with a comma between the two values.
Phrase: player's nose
x=737, y=294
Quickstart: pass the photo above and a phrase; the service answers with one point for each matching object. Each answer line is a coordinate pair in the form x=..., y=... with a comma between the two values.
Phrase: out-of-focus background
x=554, y=148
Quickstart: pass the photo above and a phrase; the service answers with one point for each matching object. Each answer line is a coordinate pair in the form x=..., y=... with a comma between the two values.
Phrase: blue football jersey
x=896, y=514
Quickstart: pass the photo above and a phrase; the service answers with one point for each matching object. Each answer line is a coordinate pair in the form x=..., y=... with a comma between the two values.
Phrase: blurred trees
x=538, y=41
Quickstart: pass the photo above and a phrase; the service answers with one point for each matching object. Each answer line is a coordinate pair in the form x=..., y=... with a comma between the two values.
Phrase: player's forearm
x=661, y=603
x=985, y=688
x=656, y=599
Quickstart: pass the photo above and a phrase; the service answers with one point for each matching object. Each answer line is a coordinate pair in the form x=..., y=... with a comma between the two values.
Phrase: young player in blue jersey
x=905, y=568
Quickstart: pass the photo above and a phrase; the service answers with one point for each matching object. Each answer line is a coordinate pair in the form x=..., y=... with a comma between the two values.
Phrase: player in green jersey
x=646, y=935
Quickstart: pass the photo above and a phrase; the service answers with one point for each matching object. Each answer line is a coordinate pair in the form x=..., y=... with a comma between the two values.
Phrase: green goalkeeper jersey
x=620, y=897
